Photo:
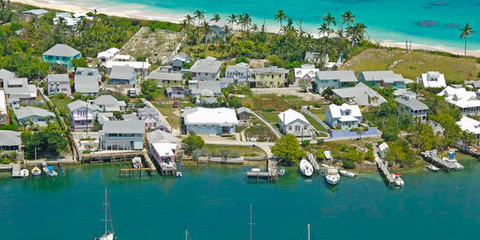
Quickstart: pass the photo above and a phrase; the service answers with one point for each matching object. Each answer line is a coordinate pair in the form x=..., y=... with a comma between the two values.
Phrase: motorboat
x=452, y=160
x=281, y=172
x=332, y=176
x=398, y=180
x=306, y=168
x=50, y=171
x=432, y=168
x=179, y=174
x=36, y=171
x=24, y=173
x=255, y=169
x=347, y=173
x=137, y=162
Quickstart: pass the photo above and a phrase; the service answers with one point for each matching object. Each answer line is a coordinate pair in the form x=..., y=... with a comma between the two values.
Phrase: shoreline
x=139, y=12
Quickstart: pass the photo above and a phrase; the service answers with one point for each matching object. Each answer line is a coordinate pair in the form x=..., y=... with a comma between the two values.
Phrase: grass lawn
x=315, y=124
x=270, y=117
x=261, y=102
x=168, y=112
x=242, y=150
x=319, y=112
x=413, y=65
x=261, y=131
x=62, y=104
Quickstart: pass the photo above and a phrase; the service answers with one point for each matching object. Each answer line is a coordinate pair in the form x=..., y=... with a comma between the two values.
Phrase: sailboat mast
x=308, y=231
x=251, y=223
x=186, y=234
x=106, y=213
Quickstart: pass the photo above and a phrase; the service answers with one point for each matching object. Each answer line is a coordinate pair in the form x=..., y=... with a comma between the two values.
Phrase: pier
x=16, y=171
x=312, y=159
x=431, y=157
x=271, y=174
x=146, y=161
x=387, y=176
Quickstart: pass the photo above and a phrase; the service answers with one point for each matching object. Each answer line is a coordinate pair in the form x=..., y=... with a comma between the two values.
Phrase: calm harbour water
x=212, y=202
x=389, y=20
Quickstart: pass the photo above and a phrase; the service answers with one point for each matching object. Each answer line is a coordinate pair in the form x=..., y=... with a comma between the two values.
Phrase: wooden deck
x=271, y=174
x=387, y=176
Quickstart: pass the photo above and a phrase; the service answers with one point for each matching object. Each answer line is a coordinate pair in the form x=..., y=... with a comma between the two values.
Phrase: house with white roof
x=306, y=73
x=412, y=107
x=207, y=69
x=217, y=28
x=215, y=121
x=466, y=101
x=470, y=125
x=293, y=122
x=432, y=80
x=58, y=83
x=107, y=103
x=361, y=94
x=122, y=75
x=37, y=116
x=383, y=149
x=5, y=75
x=86, y=81
x=19, y=91
x=334, y=79
x=82, y=114
x=107, y=55
x=384, y=78
x=344, y=116
x=122, y=135
x=140, y=67
x=239, y=72
x=163, y=147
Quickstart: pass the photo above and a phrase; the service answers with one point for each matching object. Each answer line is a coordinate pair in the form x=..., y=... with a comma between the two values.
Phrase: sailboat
x=108, y=235
x=36, y=170
x=251, y=223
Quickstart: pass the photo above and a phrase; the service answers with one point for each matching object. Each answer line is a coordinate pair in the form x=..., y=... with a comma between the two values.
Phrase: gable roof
x=207, y=65
x=361, y=94
x=290, y=116
x=432, y=80
x=81, y=104
x=411, y=103
x=269, y=70
x=158, y=135
x=244, y=109
x=341, y=76
x=10, y=138
x=345, y=111
x=165, y=76
x=385, y=76
x=215, y=116
x=469, y=125
x=122, y=72
x=27, y=112
x=123, y=127
x=5, y=74
x=62, y=50
x=36, y=12
x=60, y=78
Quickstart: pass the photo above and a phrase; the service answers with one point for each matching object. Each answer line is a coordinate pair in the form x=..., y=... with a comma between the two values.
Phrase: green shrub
x=305, y=143
x=348, y=164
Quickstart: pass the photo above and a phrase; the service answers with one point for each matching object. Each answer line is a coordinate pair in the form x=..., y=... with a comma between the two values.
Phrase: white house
x=239, y=72
x=467, y=101
x=207, y=69
x=470, y=125
x=306, y=73
x=122, y=135
x=293, y=122
x=217, y=121
x=107, y=55
x=344, y=116
x=432, y=80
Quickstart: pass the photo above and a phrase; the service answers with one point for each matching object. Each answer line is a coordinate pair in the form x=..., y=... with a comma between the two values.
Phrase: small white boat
x=306, y=168
x=332, y=177
x=255, y=169
x=136, y=162
x=432, y=168
x=398, y=180
x=281, y=172
x=179, y=174
x=24, y=173
x=36, y=172
x=347, y=174
x=50, y=171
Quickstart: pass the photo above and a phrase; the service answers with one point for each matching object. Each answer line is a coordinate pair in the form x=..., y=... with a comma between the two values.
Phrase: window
x=290, y=128
x=297, y=128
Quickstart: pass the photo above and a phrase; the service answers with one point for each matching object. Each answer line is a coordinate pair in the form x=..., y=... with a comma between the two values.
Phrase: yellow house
x=271, y=77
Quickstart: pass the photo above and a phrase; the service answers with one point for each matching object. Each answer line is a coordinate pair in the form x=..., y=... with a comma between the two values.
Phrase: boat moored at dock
x=347, y=173
x=50, y=171
x=432, y=168
x=332, y=176
x=306, y=168
x=398, y=180
x=24, y=173
x=36, y=171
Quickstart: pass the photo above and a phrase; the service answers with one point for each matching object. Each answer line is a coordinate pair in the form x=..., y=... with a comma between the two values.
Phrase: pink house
x=58, y=83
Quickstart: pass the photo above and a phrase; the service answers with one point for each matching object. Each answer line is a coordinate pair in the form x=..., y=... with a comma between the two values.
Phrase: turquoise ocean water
x=212, y=202
x=388, y=20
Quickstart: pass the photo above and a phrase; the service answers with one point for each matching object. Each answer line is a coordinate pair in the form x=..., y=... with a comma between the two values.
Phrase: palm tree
x=348, y=18
x=216, y=17
x=324, y=29
x=279, y=17
x=357, y=32
x=199, y=16
x=232, y=18
x=329, y=19
x=467, y=31
x=189, y=19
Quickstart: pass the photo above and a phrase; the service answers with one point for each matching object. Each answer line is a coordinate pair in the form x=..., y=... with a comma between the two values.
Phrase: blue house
x=122, y=75
x=334, y=79
x=383, y=79
x=61, y=54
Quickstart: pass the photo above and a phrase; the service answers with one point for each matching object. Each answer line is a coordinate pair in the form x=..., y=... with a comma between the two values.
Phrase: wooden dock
x=16, y=171
x=110, y=156
x=439, y=162
x=387, y=176
x=271, y=174
x=146, y=161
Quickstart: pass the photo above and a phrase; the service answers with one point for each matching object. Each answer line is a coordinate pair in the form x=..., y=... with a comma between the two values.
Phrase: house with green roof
x=61, y=54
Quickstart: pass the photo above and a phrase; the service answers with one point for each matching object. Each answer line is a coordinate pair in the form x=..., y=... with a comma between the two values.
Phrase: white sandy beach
x=142, y=12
